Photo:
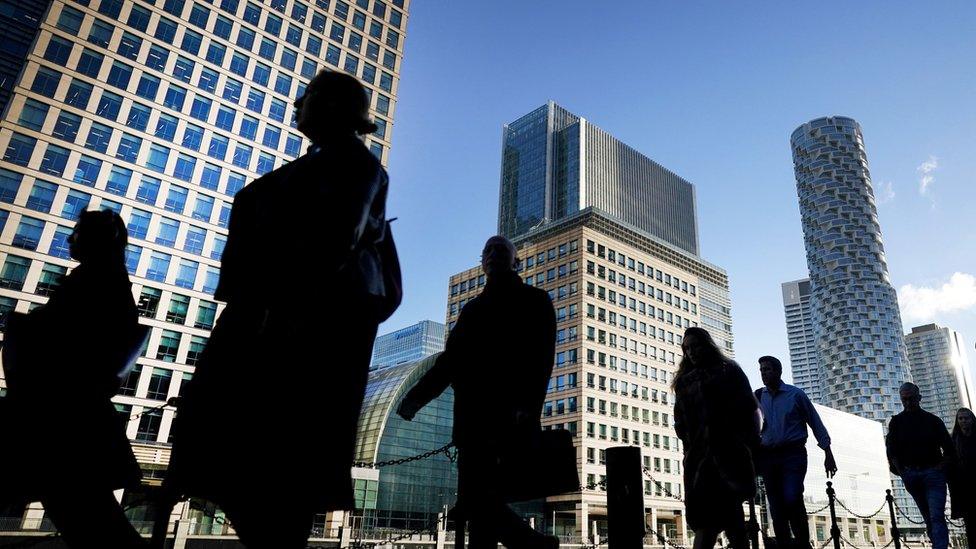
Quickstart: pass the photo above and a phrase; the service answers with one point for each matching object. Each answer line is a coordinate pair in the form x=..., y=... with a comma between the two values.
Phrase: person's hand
x=830, y=465
x=407, y=409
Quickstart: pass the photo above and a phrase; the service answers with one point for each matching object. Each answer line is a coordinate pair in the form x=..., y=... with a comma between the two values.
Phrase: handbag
x=392, y=277
x=543, y=465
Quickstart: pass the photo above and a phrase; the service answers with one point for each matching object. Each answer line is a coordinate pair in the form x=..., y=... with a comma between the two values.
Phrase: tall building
x=161, y=111
x=941, y=370
x=799, y=331
x=623, y=299
x=856, y=323
x=19, y=22
x=555, y=163
x=408, y=344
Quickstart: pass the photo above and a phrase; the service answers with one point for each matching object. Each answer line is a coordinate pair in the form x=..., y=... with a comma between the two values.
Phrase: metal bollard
x=834, y=529
x=753, y=525
x=895, y=534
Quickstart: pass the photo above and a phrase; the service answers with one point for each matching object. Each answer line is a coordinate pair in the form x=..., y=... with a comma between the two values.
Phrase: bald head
x=911, y=396
x=498, y=256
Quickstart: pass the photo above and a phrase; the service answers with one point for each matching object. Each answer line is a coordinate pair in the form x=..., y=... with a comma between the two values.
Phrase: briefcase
x=544, y=464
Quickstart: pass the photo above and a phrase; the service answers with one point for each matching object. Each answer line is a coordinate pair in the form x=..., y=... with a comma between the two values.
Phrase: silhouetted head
x=698, y=350
x=334, y=104
x=771, y=370
x=965, y=421
x=99, y=236
x=911, y=396
x=498, y=256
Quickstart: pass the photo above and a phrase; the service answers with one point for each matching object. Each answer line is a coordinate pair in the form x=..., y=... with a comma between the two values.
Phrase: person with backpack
x=782, y=456
x=267, y=426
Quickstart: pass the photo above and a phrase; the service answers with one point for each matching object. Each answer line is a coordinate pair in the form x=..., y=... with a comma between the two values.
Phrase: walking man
x=920, y=451
x=782, y=458
x=498, y=359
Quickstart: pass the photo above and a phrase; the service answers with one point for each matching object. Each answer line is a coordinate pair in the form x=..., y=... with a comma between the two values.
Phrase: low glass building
x=409, y=495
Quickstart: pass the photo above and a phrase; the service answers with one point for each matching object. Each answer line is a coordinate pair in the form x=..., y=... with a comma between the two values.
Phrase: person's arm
x=947, y=446
x=541, y=361
x=891, y=447
x=819, y=432
x=438, y=378
x=232, y=262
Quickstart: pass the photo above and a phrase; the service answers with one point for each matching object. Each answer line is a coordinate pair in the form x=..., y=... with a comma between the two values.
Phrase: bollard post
x=834, y=529
x=625, y=498
x=895, y=534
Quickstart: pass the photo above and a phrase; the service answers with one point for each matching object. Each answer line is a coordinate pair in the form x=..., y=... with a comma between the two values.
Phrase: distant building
x=409, y=344
x=555, y=163
x=941, y=370
x=799, y=331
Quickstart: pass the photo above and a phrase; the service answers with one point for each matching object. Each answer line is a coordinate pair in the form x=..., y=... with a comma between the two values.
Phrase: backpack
x=392, y=279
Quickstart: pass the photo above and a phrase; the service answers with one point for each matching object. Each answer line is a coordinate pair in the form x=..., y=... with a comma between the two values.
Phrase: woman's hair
x=956, y=429
x=102, y=236
x=343, y=94
x=711, y=354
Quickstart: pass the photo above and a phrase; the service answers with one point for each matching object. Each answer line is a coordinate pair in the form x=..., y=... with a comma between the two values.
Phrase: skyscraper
x=856, y=323
x=161, y=111
x=623, y=299
x=799, y=331
x=555, y=163
x=408, y=344
x=941, y=370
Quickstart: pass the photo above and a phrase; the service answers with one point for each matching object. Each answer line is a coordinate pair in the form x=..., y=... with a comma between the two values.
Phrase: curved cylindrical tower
x=857, y=325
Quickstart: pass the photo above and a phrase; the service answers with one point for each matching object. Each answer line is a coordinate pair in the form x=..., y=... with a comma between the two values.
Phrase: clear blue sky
x=712, y=91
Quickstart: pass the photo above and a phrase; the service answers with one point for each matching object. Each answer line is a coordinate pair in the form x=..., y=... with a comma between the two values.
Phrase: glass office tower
x=408, y=344
x=161, y=111
x=555, y=164
x=799, y=331
x=856, y=322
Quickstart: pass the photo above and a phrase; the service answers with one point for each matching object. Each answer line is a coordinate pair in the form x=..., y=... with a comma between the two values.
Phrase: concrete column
x=653, y=525
x=182, y=533
x=582, y=520
x=684, y=530
x=441, y=540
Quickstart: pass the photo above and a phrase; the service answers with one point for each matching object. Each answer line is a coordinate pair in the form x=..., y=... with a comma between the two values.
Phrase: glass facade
x=941, y=370
x=161, y=110
x=409, y=344
x=411, y=494
x=856, y=322
x=555, y=164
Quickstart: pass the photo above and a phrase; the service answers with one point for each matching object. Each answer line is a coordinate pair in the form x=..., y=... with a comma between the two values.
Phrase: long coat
x=272, y=408
x=715, y=418
x=62, y=363
x=498, y=358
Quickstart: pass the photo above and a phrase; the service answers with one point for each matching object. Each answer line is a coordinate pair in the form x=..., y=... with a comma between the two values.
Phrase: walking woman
x=963, y=479
x=715, y=416
x=267, y=426
x=63, y=361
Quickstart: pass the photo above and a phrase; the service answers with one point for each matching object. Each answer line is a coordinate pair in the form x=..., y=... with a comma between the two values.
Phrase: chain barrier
x=169, y=403
x=446, y=450
x=647, y=472
x=826, y=543
x=666, y=542
x=905, y=516
x=821, y=510
x=846, y=508
x=430, y=527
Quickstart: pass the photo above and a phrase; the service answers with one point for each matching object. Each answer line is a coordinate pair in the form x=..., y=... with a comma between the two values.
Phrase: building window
x=14, y=272
x=148, y=302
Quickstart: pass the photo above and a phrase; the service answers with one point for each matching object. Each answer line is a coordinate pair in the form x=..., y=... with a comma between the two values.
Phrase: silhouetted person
x=964, y=474
x=715, y=416
x=920, y=451
x=63, y=364
x=266, y=427
x=498, y=359
x=782, y=456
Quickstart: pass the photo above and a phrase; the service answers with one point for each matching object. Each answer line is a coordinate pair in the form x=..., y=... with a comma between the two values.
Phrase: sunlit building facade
x=161, y=111
x=799, y=332
x=623, y=299
x=408, y=344
x=941, y=370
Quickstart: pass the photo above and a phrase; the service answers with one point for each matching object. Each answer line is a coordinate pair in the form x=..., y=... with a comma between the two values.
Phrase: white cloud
x=885, y=192
x=925, y=169
x=921, y=303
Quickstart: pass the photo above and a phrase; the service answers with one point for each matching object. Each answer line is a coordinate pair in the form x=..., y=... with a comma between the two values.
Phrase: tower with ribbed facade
x=856, y=323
